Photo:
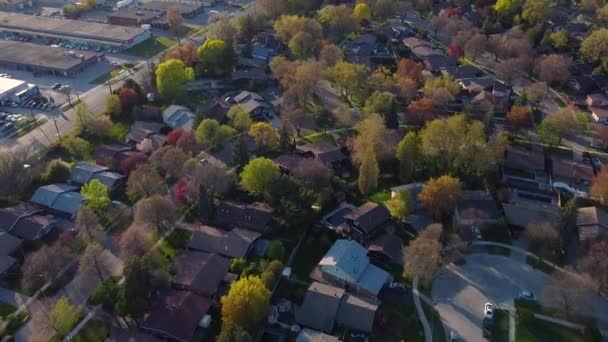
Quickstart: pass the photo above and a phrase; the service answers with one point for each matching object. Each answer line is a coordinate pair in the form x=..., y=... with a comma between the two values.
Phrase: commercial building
x=152, y=13
x=72, y=30
x=45, y=59
x=16, y=5
x=12, y=90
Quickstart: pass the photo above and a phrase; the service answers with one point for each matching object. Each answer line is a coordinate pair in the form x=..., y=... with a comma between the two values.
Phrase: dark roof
x=325, y=151
x=176, y=314
x=435, y=63
x=477, y=208
x=233, y=244
x=141, y=129
x=83, y=172
x=200, y=272
x=216, y=109
x=525, y=159
x=9, y=243
x=48, y=194
x=390, y=245
x=108, y=152
x=10, y=215
x=25, y=221
x=6, y=262
x=569, y=169
x=369, y=216
x=356, y=314
x=320, y=307
x=110, y=179
x=256, y=216
x=461, y=71
x=591, y=222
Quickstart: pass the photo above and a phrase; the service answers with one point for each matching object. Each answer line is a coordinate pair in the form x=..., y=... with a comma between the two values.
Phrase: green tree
x=408, y=154
x=362, y=12
x=507, y=8
x=559, y=39
x=595, y=46
x=64, y=316
x=276, y=250
x=447, y=82
x=338, y=21
x=216, y=57
x=401, y=205
x=350, y=78
x=247, y=26
x=246, y=303
x=138, y=287
x=302, y=45
x=211, y=134
x=96, y=195
x=368, y=172
x=258, y=175
x=549, y=133
x=264, y=134
x=379, y=103
x=239, y=118
x=56, y=171
x=240, y=153
x=171, y=76
x=113, y=107
x=535, y=11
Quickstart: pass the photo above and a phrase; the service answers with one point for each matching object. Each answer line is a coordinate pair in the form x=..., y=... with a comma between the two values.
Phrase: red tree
x=519, y=117
x=411, y=69
x=174, y=136
x=128, y=98
x=454, y=50
x=180, y=192
x=128, y=164
x=186, y=52
x=420, y=111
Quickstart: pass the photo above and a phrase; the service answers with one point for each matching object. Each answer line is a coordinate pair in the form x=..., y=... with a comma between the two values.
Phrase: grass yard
x=6, y=309
x=150, y=47
x=500, y=329
x=172, y=246
x=380, y=196
x=93, y=331
x=535, y=330
x=108, y=75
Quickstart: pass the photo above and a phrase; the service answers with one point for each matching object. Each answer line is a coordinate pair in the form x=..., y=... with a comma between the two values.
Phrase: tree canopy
x=246, y=303
x=440, y=195
x=258, y=175
x=171, y=76
x=211, y=134
x=216, y=57
x=95, y=195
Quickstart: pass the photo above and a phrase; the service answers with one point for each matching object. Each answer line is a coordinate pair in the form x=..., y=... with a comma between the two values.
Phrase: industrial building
x=44, y=59
x=72, y=30
x=152, y=13
x=12, y=90
x=16, y=5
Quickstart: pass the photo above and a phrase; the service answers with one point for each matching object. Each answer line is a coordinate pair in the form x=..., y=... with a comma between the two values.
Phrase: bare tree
x=423, y=255
x=174, y=18
x=89, y=261
x=135, y=241
x=215, y=179
x=15, y=173
x=543, y=240
x=569, y=293
x=144, y=181
x=88, y=224
x=156, y=211
x=595, y=263
x=553, y=69
x=169, y=160
x=44, y=264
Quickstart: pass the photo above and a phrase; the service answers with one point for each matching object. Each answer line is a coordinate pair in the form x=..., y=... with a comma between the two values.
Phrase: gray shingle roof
x=46, y=195
x=83, y=172
x=200, y=272
x=320, y=307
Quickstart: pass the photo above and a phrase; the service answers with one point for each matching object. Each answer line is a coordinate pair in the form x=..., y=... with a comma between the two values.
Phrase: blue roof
x=109, y=179
x=46, y=195
x=83, y=172
x=68, y=203
x=348, y=260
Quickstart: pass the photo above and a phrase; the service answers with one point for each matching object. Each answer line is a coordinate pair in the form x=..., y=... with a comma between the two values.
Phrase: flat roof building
x=74, y=30
x=45, y=59
x=12, y=90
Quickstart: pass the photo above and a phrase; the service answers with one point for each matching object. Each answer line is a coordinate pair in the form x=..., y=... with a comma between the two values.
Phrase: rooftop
x=200, y=272
x=256, y=216
x=8, y=84
x=41, y=55
x=369, y=216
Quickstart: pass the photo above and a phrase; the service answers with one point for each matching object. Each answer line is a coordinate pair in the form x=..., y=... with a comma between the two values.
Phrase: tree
x=507, y=9
x=233, y=333
x=566, y=122
x=174, y=136
x=89, y=262
x=549, y=133
x=216, y=57
x=382, y=80
x=595, y=46
x=88, y=224
x=337, y=21
x=372, y=133
x=554, y=69
x=595, y=263
x=247, y=26
x=382, y=103
x=569, y=293
x=221, y=27
x=401, y=205
x=424, y=255
x=211, y=134
x=240, y=153
x=138, y=287
x=420, y=111
x=129, y=164
x=543, y=240
x=99, y=126
x=272, y=8
x=535, y=11
x=135, y=241
x=519, y=117
x=64, y=316
x=330, y=55
x=174, y=18
x=264, y=134
x=446, y=82
x=43, y=265
x=454, y=50
x=288, y=26
x=302, y=45
x=559, y=39
x=537, y=93
x=362, y=12
x=599, y=186
x=258, y=175
x=56, y=171
x=215, y=179
x=171, y=76
x=276, y=250
x=169, y=161
x=410, y=69
x=350, y=78
x=239, y=118
x=475, y=45
x=96, y=195
x=368, y=172
x=128, y=99
x=408, y=154
x=246, y=303
x=440, y=195
x=408, y=89
x=155, y=211
x=185, y=52
x=143, y=182
x=113, y=107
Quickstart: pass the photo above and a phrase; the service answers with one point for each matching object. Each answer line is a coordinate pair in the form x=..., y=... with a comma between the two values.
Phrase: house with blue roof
x=347, y=264
x=178, y=117
x=84, y=172
x=63, y=199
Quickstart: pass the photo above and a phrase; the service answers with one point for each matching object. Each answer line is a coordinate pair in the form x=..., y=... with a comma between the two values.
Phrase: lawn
x=6, y=309
x=108, y=75
x=500, y=328
x=93, y=331
x=172, y=246
x=533, y=330
x=150, y=47
x=380, y=196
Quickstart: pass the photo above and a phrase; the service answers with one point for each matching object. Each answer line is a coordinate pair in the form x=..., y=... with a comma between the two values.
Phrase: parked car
x=453, y=336
x=56, y=86
x=476, y=233
x=488, y=310
x=527, y=295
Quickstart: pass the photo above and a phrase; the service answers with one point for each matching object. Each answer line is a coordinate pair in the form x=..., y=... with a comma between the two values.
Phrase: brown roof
x=9, y=243
x=200, y=272
x=324, y=151
x=289, y=162
x=525, y=159
x=233, y=244
x=141, y=129
x=591, y=222
x=256, y=216
x=369, y=216
x=568, y=168
x=413, y=42
x=176, y=314
x=599, y=112
x=356, y=314
x=389, y=244
x=108, y=152
x=216, y=109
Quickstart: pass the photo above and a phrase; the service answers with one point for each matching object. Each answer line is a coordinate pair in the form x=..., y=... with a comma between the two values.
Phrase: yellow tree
x=264, y=134
x=440, y=195
x=362, y=12
x=368, y=172
x=246, y=304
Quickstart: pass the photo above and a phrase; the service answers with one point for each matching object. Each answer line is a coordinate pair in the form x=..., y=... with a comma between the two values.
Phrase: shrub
x=56, y=171
x=237, y=265
x=105, y=294
x=276, y=250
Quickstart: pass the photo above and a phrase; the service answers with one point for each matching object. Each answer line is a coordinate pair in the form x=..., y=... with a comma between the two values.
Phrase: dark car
x=56, y=86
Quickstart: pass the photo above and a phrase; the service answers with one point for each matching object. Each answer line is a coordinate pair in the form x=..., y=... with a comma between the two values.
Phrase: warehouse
x=152, y=13
x=72, y=30
x=44, y=59
x=12, y=90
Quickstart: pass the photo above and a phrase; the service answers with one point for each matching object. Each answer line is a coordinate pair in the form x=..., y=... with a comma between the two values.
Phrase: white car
x=488, y=310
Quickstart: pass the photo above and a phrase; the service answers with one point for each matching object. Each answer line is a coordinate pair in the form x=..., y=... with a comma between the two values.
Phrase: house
x=300, y=167
x=105, y=155
x=459, y=72
x=387, y=248
x=175, y=315
x=346, y=264
x=571, y=172
x=178, y=117
x=328, y=153
x=423, y=52
x=522, y=212
x=366, y=221
x=249, y=77
x=309, y=335
x=591, y=223
x=434, y=63
x=596, y=100
x=255, y=217
x=141, y=130
x=326, y=307
x=412, y=188
x=413, y=42
x=112, y=180
x=9, y=244
x=26, y=221
x=254, y=104
x=476, y=208
x=237, y=243
x=199, y=272
x=83, y=172
x=265, y=46
x=61, y=198
x=525, y=164
x=151, y=143
x=216, y=109
x=6, y=264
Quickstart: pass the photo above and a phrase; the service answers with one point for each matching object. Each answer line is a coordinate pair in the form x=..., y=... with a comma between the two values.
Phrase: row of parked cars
x=8, y=122
x=36, y=104
x=81, y=46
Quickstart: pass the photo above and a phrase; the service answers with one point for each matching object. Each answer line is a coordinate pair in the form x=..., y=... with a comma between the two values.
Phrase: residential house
x=105, y=155
x=9, y=244
x=199, y=272
x=326, y=307
x=476, y=208
x=265, y=46
x=435, y=63
x=420, y=218
x=598, y=105
x=178, y=117
x=216, y=109
x=571, y=172
x=175, y=315
x=236, y=243
x=254, y=104
x=487, y=91
x=525, y=168
x=62, y=199
x=26, y=221
x=330, y=154
x=83, y=172
x=256, y=216
x=249, y=77
x=414, y=42
x=112, y=180
x=299, y=167
x=387, y=248
x=146, y=136
x=459, y=72
x=591, y=222
x=310, y=335
x=365, y=222
x=347, y=265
